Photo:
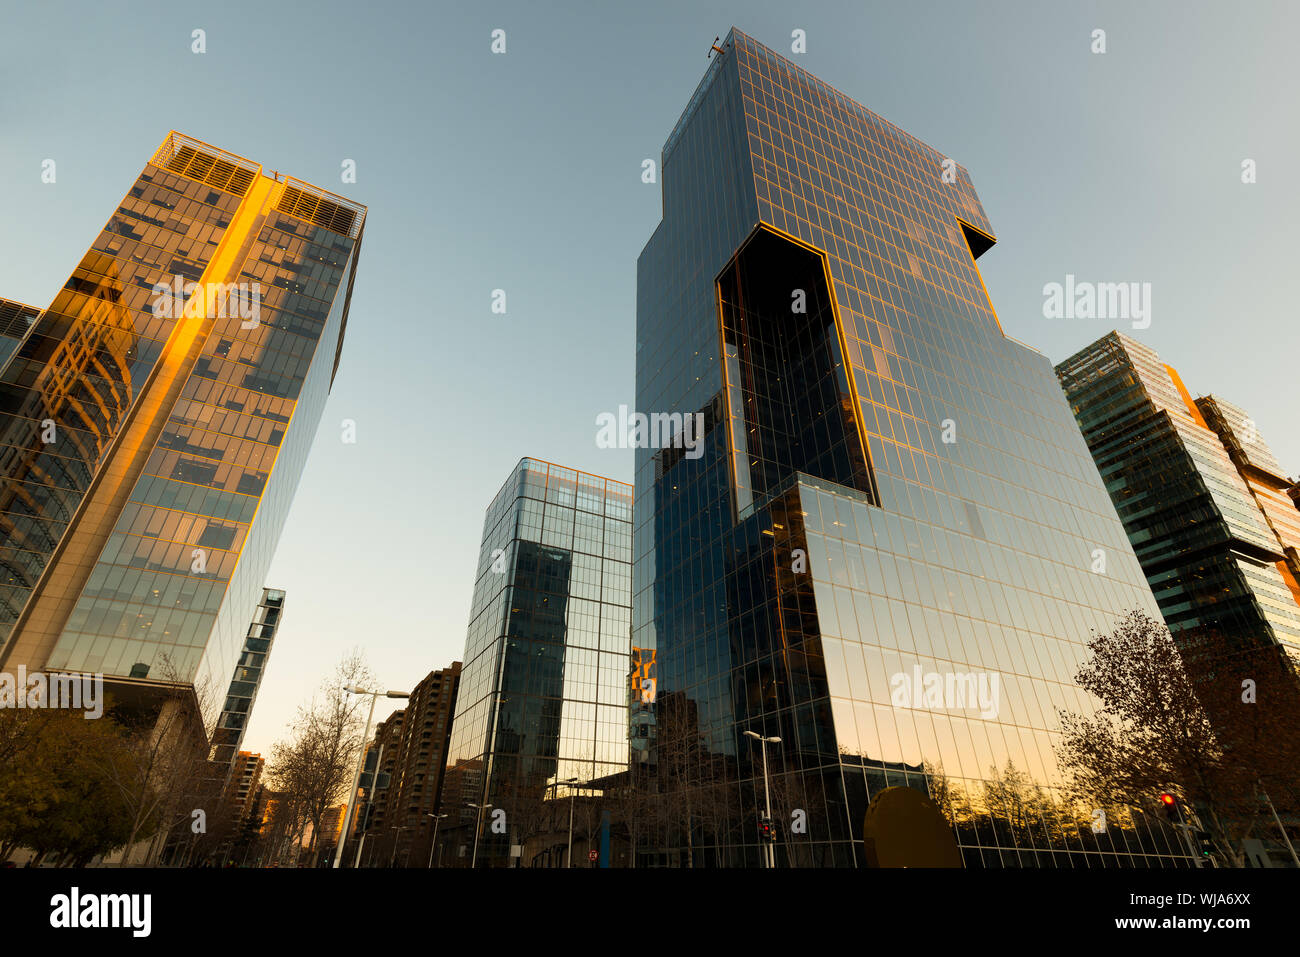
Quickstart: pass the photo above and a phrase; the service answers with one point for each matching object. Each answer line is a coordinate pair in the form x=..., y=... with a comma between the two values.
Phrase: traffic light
x=1205, y=844
x=1170, y=805
x=765, y=830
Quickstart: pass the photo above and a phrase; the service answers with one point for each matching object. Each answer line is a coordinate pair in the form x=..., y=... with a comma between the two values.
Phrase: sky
x=521, y=171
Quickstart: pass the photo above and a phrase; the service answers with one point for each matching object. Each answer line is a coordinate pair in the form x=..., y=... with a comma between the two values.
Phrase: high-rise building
x=1276, y=494
x=237, y=709
x=168, y=395
x=418, y=765
x=543, y=697
x=1202, y=497
x=383, y=755
x=891, y=499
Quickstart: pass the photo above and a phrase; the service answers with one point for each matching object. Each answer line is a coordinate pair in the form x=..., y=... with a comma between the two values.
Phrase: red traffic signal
x=1170, y=804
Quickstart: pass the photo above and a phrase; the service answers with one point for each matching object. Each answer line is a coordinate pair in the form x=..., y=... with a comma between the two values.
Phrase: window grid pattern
x=970, y=556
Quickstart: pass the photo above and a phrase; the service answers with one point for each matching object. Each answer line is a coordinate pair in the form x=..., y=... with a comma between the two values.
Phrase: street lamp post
x=478, y=826
x=437, y=819
x=769, y=853
x=361, y=756
x=370, y=800
x=1289, y=846
x=572, y=793
x=397, y=839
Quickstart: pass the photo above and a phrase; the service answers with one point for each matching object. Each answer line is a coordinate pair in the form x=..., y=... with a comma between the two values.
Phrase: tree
x=693, y=794
x=1023, y=815
x=632, y=804
x=160, y=764
x=57, y=792
x=1155, y=733
x=314, y=767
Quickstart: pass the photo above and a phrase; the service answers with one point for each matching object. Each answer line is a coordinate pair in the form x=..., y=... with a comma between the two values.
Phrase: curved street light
x=361, y=756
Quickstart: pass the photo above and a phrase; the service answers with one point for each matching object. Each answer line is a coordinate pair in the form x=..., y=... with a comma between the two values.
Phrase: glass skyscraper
x=543, y=697
x=1203, y=498
x=890, y=489
x=169, y=395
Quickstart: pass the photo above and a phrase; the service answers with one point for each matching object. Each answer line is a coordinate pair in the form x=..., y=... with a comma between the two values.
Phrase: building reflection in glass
x=543, y=694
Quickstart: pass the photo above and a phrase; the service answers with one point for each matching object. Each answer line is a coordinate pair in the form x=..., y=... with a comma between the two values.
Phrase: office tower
x=1204, y=501
x=543, y=698
x=168, y=395
x=15, y=320
x=415, y=785
x=247, y=679
x=889, y=488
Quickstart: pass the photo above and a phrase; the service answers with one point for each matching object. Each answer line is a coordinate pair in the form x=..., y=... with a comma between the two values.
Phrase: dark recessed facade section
x=789, y=403
x=979, y=241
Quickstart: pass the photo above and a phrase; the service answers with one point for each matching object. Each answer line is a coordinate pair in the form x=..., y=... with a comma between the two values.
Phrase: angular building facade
x=543, y=694
x=245, y=779
x=167, y=397
x=15, y=320
x=890, y=489
x=237, y=709
x=1205, y=502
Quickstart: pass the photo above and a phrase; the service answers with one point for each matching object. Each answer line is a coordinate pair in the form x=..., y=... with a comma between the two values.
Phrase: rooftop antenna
x=714, y=49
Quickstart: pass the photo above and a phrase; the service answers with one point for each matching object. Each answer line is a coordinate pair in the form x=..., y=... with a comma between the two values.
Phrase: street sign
x=592, y=855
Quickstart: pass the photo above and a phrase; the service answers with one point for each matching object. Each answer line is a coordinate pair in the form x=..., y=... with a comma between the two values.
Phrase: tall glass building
x=167, y=398
x=891, y=490
x=1204, y=500
x=543, y=694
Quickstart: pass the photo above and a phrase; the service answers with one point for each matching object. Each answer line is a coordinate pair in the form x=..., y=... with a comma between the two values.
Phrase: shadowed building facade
x=15, y=319
x=414, y=742
x=890, y=490
x=142, y=432
x=544, y=690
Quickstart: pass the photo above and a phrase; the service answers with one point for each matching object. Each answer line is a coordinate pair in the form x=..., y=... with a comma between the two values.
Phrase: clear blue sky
x=522, y=172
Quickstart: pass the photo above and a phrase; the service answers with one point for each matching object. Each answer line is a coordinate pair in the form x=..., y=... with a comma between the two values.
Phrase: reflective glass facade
x=543, y=691
x=1200, y=493
x=140, y=438
x=889, y=486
